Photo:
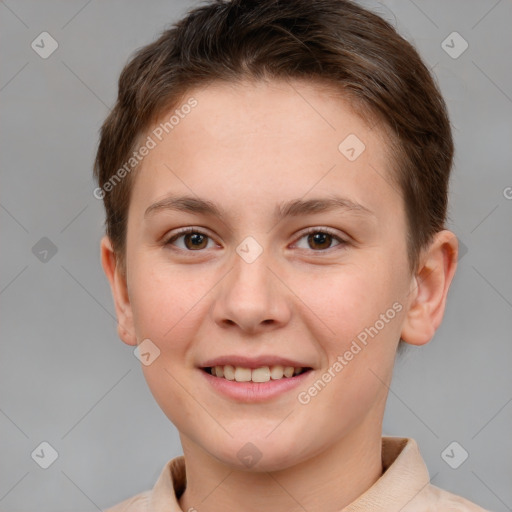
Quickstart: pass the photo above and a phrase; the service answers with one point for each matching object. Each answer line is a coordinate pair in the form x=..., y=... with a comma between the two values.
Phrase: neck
x=330, y=480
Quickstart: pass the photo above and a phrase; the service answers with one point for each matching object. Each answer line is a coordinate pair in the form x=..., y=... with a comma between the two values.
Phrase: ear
x=429, y=289
x=118, y=285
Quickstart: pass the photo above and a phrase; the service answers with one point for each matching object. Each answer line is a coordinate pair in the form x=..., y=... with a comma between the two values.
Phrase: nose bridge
x=249, y=295
x=250, y=278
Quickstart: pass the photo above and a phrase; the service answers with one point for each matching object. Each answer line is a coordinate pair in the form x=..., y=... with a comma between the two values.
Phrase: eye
x=193, y=239
x=320, y=239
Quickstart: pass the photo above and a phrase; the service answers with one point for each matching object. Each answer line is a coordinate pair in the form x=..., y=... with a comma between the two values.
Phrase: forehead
x=252, y=142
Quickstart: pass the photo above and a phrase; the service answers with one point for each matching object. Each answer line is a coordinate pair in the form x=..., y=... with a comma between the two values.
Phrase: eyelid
x=183, y=231
x=323, y=229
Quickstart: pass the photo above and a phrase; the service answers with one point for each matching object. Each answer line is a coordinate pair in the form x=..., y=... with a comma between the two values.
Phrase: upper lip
x=252, y=362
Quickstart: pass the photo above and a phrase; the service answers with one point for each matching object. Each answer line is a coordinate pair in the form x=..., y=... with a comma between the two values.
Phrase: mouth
x=261, y=384
x=261, y=374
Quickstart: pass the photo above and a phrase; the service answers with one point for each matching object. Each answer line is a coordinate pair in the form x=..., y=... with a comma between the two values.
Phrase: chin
x=255, y=454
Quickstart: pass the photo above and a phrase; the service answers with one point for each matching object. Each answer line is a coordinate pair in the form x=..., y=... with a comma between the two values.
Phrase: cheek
x=343, y=302
x=166, y=310
x=163, y=301
x=358, y=332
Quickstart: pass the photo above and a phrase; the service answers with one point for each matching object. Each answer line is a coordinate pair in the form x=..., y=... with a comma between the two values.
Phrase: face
x=267, y=273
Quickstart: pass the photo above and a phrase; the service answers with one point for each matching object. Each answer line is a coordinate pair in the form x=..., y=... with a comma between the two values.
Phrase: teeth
x=288, y=371
x=229, y=372
x=276, y=372
x=242, y=374
x=262, y=374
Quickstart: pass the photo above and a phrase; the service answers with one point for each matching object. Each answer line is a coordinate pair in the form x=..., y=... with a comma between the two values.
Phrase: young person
x=275, y=179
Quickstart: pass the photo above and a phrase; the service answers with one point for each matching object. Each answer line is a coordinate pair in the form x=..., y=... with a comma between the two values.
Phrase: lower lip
x=255, y=391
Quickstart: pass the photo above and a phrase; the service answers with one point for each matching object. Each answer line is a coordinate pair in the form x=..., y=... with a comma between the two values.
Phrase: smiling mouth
x=262, y=374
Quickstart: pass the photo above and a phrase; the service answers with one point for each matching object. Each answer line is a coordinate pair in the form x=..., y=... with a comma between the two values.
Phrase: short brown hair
x=329, y=41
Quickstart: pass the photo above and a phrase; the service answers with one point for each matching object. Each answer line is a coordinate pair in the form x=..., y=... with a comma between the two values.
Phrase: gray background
x=65, y=377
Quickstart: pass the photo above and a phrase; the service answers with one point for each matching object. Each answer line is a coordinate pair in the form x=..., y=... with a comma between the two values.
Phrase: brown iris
x=324, y=239
x=198, y=240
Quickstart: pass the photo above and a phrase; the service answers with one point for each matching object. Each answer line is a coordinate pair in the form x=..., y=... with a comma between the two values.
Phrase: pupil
x=196, y=239
x=320, y=238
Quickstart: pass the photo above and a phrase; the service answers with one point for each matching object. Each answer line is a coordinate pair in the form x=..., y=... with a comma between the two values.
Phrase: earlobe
x=118, y=286
x=429, y=289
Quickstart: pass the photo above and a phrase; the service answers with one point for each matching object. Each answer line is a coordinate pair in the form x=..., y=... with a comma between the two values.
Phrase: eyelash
x=314, y=230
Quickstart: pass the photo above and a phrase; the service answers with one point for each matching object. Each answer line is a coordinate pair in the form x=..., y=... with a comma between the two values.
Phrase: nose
x=252, y=297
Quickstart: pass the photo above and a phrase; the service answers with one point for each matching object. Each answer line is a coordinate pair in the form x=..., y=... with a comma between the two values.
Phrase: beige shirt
x=403, y=487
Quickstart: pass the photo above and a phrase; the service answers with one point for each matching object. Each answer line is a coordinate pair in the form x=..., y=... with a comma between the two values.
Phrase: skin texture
x=248, y=147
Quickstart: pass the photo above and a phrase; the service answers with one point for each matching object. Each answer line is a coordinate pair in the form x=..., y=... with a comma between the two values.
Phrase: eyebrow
x=293, y=208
